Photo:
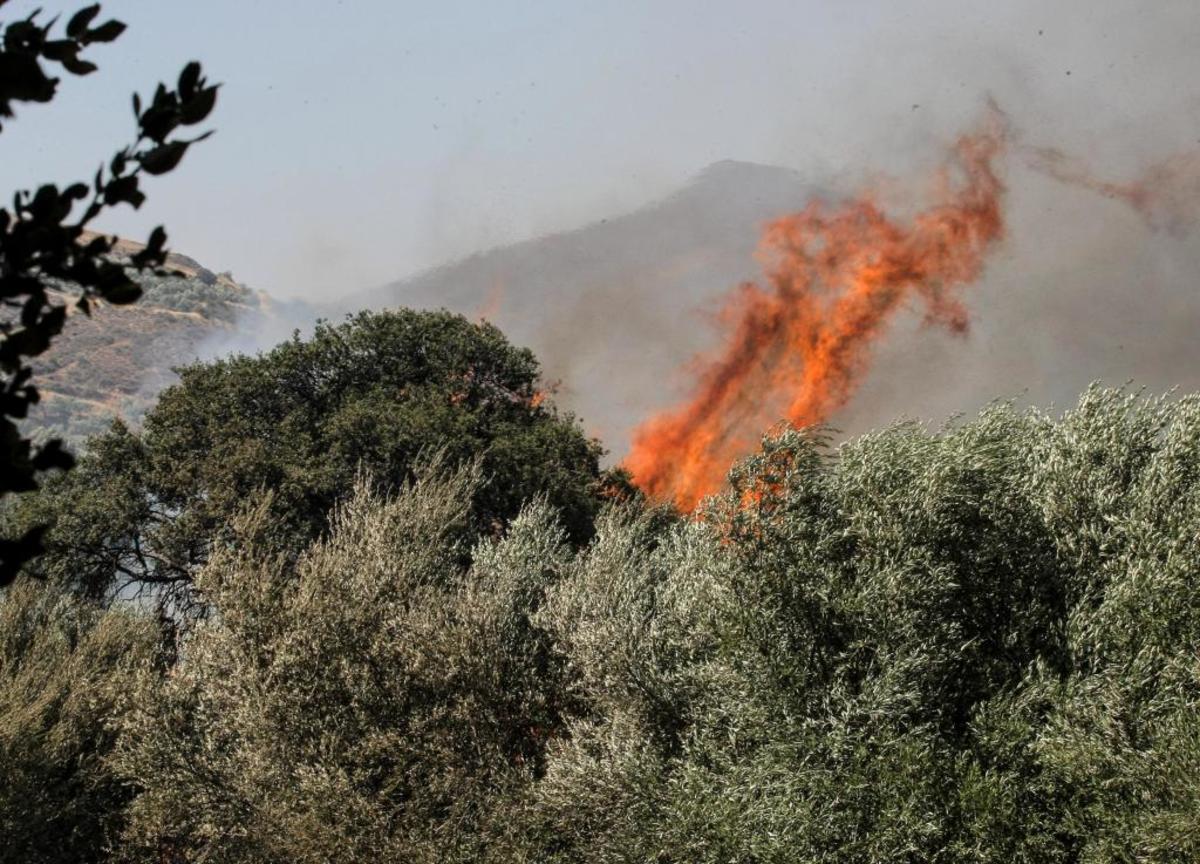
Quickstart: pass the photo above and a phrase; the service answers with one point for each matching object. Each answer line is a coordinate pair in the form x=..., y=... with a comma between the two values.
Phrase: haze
x=361, y=141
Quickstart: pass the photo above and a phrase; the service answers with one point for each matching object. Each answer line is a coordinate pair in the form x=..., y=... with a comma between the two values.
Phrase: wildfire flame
x=798, y=347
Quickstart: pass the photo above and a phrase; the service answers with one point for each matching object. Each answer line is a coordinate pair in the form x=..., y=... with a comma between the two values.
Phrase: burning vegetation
x=798, y=345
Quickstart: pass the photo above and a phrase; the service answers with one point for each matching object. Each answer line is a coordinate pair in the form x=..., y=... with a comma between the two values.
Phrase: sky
x=360, y=141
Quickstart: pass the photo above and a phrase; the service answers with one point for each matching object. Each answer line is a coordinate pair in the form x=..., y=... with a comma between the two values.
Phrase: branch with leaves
x=44, y=241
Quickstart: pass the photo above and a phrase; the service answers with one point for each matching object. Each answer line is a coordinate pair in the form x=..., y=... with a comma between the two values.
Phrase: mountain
x=113, y=362
x=601, y=305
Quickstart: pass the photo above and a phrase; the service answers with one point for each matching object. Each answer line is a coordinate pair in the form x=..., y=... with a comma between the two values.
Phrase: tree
x=374, y=393
x=375, y=699
x=976, y=645
x=44, y=244
x=66, y=669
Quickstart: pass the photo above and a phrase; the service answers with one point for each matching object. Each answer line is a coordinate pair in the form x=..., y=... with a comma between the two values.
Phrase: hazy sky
x=361, y=140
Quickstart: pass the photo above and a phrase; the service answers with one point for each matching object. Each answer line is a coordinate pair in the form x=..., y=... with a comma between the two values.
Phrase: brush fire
x=798, y=344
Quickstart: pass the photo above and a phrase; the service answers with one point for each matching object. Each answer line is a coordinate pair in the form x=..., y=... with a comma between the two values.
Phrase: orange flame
x=799, y=347
x=490, y=307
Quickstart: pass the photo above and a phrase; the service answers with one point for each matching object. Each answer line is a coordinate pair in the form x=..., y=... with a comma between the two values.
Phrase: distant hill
x=601, y=305
x=114, y=362
x=594, y=303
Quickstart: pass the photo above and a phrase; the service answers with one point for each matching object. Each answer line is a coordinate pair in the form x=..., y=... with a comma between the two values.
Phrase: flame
x=1167, y=195
x=490, y=307
x=799, y=347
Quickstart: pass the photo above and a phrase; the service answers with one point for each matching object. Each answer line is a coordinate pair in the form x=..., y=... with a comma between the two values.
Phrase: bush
x=371, y=701
x=65, y=668
x=978, y=645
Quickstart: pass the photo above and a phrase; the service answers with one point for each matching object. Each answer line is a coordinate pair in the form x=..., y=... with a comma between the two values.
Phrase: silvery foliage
x=363, y=703
x=64, y=669
x=973, y=645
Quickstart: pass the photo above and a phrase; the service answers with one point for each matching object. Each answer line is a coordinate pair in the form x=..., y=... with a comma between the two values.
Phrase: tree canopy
x=378, y=393
x=974, y=645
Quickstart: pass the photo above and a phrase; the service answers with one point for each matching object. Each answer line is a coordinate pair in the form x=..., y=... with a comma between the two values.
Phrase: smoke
x=1166, y=194
x=1094, y=279
x=798, y=348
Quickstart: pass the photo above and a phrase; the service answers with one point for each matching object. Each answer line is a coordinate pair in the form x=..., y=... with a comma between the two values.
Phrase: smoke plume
x=798, y=347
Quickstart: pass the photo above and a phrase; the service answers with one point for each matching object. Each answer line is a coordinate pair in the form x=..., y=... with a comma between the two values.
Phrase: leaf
x=59, y=50
x=163, y=158
x=119, y=289
x=188, y=79
x=14, y=553
x=124, y=189
x=52, y=455
x=154, y=253
x=79, y=67
x=106, y=32
x=199, y=106
x=81, y=19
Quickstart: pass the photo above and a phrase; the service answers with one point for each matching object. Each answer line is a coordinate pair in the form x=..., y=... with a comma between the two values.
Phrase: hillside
x=114, y=362
x=616, y=309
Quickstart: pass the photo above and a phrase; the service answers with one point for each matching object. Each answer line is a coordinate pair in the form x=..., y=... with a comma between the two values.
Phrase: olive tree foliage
x=43, y=239
x=370, y=701
x=65, y=669
x=977, y=645
x=143, y=508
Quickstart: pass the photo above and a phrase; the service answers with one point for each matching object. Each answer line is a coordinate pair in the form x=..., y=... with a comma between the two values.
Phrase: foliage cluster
x=143, y=509
x=974, y=645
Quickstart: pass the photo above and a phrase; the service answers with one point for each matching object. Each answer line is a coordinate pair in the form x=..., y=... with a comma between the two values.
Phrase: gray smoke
x=1095, y=280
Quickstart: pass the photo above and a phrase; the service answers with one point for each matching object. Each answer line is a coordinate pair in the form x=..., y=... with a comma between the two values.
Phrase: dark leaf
x=154, y=253
x=160, y=120
x=23, y=81
x=188, y=79
x=124, y=189
x=59, y=50
x=81, y=19
x=163, y=158
x=106, y=32
x=14, y=553
x=194, y=110
x=118, y=289
x=52, y=455
x=79, y=67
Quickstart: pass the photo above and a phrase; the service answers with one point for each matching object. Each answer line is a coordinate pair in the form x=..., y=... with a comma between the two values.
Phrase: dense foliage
x=375, y=392
x=66, y=670
x=975, y=645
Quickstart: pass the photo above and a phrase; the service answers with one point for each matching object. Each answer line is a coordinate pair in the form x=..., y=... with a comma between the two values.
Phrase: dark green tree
x=376, y=393
x=43, y=244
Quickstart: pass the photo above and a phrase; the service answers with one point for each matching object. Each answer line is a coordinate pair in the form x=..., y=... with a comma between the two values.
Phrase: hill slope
x=114, y=362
